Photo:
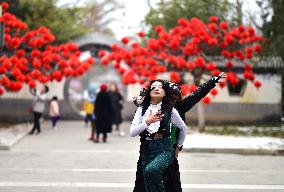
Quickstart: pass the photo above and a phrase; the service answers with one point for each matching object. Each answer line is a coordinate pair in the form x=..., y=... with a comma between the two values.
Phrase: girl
x=152, y=122
x=171, y=176
x=54, y=111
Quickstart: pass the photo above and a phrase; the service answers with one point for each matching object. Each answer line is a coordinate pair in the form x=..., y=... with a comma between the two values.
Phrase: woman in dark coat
x=103, y=113
x=116, y=101
x=171, y=177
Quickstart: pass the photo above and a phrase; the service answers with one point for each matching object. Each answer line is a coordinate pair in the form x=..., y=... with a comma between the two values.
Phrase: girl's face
x=157, y=90
x=113, y=88
x=42, y=91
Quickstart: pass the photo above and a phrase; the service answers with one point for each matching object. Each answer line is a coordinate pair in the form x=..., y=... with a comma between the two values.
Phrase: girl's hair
x=46, y=88
x=167, y=101
x=115, y=87
x=54, y=98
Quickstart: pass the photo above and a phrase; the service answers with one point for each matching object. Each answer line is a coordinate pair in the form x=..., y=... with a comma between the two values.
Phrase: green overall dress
x=157, y=155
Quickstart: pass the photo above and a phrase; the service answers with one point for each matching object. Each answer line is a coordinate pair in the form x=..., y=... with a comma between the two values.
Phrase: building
x=247, y=105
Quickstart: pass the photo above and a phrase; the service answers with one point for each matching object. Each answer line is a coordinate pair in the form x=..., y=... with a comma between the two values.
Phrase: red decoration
x=175, y=77
x=32, y=84
x=4, y=6
x=257, y=84
x=141, y=34
x=35, y=60
x=258, y=48
x=185, y=90
x=1, y=91
x=214, y=92
x=101, y=53
x=125, y=40
x=206, y=100
x=187, y=48
x=213, y=19
x=224, y=25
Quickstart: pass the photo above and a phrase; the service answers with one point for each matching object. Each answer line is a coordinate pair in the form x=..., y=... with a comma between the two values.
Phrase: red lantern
x=211, y=66
x=159, y=28
x=247, y=67
x=35, y=73
x=1, y=91
x=182, y=22
x=20, y=53
x=222, y=84
x=36, y=63
x=175, y=77
x=141, y=34
x=4, y=6
x=190, y=65
x=192, y=88
x=241, y=28
x=121, y=70
x=214, y=92
x=213, y=19
x=224, y=25
x=32, y=84
x=229, y=64
x=206, y=100
x=258, y=48
x=115, y=47
x=105, y=61
x=200, y=62
x=7, y=38
x=215, y=72
x=229, y=39
x=101, y=53
x=125, y=40
x=213, y=27
x=184, y=90
x=257, y=84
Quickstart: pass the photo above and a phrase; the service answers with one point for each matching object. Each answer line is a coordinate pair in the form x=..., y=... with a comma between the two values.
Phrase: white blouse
x=138, y=124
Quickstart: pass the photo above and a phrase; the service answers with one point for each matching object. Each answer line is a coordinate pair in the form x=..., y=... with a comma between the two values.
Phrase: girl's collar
x=159, y=104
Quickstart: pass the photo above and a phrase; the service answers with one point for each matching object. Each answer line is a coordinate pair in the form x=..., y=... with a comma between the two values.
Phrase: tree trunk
x=200, y=117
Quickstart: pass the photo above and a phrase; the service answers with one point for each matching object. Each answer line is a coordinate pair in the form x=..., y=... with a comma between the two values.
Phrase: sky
x=129, y=20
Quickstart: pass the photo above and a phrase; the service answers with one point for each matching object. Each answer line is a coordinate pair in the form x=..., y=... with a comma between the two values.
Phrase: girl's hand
x=152, y=118
x=176, y=151
x=222, y=75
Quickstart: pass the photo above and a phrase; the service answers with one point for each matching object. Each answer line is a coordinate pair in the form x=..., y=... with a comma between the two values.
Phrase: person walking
x=117, y=105
x=38, y=107
x=54, y=112
x=103, y=113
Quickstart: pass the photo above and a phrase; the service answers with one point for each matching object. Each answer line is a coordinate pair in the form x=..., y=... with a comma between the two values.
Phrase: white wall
x=269, y=92
x=55, y=88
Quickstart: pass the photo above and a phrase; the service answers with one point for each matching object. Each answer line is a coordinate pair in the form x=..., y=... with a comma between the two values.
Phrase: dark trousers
x=104, y=136
x=116, y=126
x=55, y=120
x=36, y=126
x=93, y=132
x=88, y=118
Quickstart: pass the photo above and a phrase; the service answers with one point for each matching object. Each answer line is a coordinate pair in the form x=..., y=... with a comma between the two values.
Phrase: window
x=237, y=90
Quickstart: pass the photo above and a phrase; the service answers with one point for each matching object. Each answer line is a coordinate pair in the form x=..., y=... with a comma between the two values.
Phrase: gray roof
x=97, y=38
x=269, y=62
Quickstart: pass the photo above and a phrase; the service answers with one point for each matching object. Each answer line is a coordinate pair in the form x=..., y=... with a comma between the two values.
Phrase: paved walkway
x=65, y=161
x=194, y=142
